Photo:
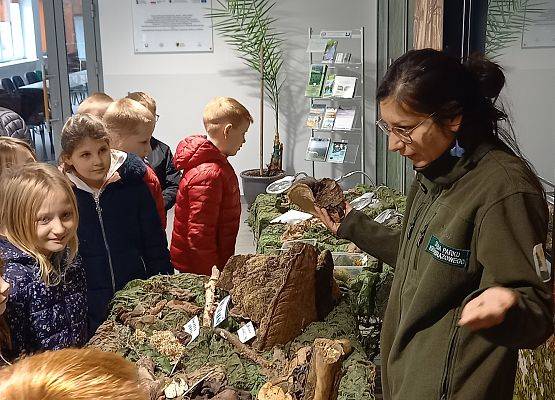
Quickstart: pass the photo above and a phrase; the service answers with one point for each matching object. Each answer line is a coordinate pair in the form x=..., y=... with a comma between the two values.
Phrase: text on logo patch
x=448, y=255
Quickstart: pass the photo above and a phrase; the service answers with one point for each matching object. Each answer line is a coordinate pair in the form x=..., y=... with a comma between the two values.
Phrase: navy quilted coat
x=120, y=237
x=43, y=317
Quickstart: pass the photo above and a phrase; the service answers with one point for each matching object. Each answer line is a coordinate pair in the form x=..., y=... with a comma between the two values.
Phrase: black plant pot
x=254, y=184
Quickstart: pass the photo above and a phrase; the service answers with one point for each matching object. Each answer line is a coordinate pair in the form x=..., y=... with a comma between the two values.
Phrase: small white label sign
x=246, y=333
x=221, y=311
x=193, y=328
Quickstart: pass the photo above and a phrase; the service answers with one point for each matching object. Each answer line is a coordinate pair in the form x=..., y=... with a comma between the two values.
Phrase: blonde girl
x=14, y=152
x=46, y=307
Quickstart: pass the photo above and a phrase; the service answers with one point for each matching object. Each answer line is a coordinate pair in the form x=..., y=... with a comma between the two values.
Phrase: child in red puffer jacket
x=208, y=207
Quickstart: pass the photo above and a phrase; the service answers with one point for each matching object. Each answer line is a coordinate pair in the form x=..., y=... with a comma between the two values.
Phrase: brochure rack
x=347, y=40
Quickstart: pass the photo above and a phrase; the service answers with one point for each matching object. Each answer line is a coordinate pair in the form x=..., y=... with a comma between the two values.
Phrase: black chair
x=8, y=85
x=33, y=114
x=18, y=81
x=31, y=77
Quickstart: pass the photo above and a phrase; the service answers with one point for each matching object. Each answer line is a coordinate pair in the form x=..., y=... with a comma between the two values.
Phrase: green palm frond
x=506, y=21
x=246, y=25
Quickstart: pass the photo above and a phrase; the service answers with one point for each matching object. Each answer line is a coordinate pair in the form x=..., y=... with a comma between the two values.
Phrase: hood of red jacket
x=196, y=150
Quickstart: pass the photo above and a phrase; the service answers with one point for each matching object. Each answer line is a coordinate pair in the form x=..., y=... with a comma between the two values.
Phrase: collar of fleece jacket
x=195, y=150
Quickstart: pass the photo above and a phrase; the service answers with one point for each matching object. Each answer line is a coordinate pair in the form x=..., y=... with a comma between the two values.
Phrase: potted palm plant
x=247, y=26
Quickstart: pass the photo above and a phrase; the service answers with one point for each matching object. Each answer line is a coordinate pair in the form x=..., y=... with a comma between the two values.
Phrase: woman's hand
x=323, y=215
x=488, y=309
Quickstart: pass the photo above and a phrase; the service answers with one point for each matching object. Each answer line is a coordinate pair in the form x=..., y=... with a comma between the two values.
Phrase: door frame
x=57, y=68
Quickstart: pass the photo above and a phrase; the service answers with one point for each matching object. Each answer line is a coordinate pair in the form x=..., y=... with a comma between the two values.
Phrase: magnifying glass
x=283, y=184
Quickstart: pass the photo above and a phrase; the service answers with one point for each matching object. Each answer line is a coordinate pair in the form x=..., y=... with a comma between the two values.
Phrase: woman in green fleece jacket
x=470, y=284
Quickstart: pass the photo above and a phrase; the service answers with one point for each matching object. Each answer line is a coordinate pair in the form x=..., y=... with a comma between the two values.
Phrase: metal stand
x=355, y=67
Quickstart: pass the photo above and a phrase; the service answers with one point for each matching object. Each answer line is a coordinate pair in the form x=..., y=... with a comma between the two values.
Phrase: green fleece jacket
x=471, y=223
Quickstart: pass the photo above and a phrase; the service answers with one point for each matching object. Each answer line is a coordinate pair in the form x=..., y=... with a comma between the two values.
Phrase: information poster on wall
x=172, y=26
x=539, y=29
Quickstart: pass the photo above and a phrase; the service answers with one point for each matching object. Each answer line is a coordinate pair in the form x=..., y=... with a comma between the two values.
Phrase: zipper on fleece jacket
x=144, y=265
x=427, y=207
x=446, y=379
x=99, y=212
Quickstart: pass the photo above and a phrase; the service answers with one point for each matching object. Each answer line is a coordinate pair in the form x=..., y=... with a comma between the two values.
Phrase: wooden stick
x=243, y=349
x=209, y=297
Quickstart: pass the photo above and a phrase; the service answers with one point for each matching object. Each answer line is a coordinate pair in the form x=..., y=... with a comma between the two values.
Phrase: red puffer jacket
x=155, y=189
x=207, y=210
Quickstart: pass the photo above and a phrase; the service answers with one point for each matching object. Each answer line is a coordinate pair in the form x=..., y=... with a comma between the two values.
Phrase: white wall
x=183, y=83
x=530, y=96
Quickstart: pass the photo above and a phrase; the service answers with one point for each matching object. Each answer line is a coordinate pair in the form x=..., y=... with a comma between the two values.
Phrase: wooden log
x=272, y=392
x=325, y=369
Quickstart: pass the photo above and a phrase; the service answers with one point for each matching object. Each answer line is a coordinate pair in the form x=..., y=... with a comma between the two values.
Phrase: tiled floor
x=245, y=240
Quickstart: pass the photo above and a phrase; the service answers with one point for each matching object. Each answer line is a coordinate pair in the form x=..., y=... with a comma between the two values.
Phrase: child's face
x=137, y=143
x=235, y=137
x=91, y=161
x=4, y=292
x=55, y=223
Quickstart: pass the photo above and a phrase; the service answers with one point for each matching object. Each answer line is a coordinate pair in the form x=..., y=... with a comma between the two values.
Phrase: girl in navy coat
x=47, y=307
x=120, y=234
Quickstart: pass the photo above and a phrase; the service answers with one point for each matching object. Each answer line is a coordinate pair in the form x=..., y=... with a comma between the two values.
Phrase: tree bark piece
x=327, y=291
x=210, y=287
x=325, y=369
x=275, y=292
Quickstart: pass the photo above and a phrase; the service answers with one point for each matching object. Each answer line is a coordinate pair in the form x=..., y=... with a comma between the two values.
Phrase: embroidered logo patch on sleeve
x=543, y=267
x=448, y=255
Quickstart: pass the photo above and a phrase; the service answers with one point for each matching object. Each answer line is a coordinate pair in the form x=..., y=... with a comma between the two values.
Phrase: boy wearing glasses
x=130, y=126
x=161, y=157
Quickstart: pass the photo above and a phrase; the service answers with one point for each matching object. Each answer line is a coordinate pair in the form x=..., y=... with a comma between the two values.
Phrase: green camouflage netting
x=159, y=317
x=535, y=379
x=269, y=238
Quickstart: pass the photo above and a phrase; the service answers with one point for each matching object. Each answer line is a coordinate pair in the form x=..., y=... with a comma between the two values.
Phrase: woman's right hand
x=322, y=215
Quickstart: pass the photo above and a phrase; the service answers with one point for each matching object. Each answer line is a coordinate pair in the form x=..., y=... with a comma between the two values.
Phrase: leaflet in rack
x=344, y=119
x=316, y=80
x=344, y=86
x=337, y=151
x=317, y=149
x=315, y=116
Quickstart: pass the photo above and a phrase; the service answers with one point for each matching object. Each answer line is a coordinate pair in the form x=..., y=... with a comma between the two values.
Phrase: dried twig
x=245, y=350
x=210, y=287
